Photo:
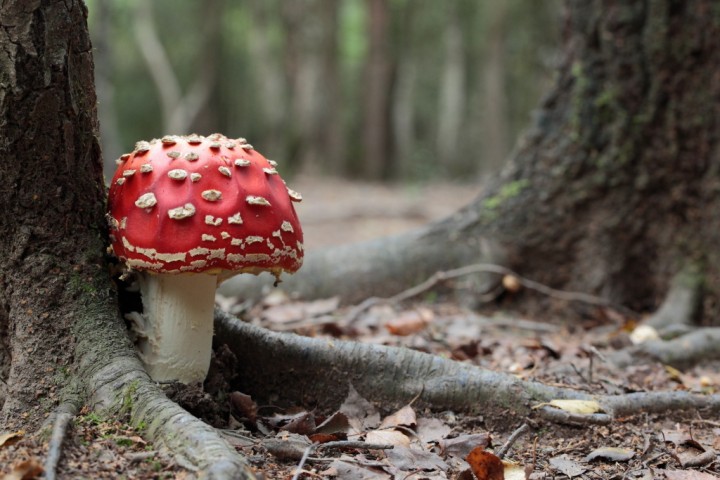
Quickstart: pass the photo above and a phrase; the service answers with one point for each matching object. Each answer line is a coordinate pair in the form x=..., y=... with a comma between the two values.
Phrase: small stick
x=437, y=277
x=502, y=451
x=60, y=426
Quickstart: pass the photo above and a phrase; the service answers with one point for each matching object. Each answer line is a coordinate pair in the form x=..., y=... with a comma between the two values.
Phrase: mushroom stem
x=176, y=327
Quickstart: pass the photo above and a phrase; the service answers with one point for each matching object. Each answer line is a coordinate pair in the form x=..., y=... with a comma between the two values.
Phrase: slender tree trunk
x=452, y=94
x=375, y=96
x=495, y=126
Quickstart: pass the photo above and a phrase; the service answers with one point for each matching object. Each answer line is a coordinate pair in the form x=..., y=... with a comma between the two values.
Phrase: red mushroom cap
x=202, y=204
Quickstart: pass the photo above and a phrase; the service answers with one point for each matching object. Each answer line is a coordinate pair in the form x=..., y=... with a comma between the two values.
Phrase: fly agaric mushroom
x=185, y=213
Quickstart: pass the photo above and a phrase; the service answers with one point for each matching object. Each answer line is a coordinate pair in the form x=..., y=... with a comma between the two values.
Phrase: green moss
x=127, y=399
x=508, y=191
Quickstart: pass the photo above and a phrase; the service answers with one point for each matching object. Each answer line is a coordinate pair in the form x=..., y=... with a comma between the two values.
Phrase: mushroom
x=200, y=212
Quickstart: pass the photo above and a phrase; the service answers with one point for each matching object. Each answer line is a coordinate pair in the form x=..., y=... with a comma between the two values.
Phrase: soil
x=564, y=346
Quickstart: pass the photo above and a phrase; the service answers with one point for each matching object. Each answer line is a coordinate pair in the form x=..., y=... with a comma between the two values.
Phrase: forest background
x=401, y=90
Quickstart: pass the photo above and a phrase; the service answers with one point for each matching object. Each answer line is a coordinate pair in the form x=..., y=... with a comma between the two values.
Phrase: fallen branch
x=482, y=268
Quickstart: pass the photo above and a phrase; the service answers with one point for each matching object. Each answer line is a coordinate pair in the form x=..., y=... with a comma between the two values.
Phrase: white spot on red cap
x=211, y=195
x=184, y=211
x=146, y=200
x=256, y=200
x=235, y=219
x=225, y=171
x=178, y=174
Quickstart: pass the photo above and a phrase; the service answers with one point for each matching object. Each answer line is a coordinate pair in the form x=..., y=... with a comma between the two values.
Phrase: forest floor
x=564, y=347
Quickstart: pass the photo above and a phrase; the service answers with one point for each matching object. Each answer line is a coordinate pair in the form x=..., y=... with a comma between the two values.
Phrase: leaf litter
x=364, y=440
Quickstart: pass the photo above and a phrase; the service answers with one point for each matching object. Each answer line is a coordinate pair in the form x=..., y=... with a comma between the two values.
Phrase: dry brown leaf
x=566, y=465
x=335, y=423
x=414, y=459
x=485, y=465
x=462, y=445
x=404, y=417
x=243, y=406
x=25, y=470
x=584, y=407
x=387, y=437
x=8, y=439
x=361, y=414
x=613, y=454
x=688, y=475
x=409, y=322
x=432, y=429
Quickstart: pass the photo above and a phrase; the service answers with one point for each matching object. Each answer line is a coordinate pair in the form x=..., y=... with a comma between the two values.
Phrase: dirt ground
x=565, y=347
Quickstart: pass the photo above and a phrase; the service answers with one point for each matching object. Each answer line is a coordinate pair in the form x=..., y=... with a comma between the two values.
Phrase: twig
x=353, y=444
x=502, y=451
x=60, y=425
x=303, y=459
x=483, y=268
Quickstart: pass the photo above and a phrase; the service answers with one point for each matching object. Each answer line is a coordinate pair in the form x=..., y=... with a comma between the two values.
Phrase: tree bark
x=376, y=160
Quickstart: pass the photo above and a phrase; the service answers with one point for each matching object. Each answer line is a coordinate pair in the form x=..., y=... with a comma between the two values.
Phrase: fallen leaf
x=361, y=414
x=8, y=439
x=567, y=466
x=404, y=417
x=405, y=458
x=303, y=424
x=348, y=470
x=485, y=465
x=243, y=406
x=584, y=407
x=687, y=475
x=432, y=429
x=610, y=453
x=335, y=423
x=25, y=470
x=387, y=437
x=513, y=471
x=462, y=445
x=409, y=322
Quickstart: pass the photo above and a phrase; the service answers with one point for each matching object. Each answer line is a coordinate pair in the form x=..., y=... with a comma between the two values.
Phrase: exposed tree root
x=116, y=382
x=378, y=267
x=281, y=365
x=679, y=344
x=682, y=302
x=700, y=345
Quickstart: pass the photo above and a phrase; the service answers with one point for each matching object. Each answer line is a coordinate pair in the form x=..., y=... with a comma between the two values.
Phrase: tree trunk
x=51, y=195
x=614, y=187
x=376, y=159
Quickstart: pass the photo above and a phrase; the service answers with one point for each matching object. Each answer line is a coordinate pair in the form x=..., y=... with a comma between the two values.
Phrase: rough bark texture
x=51, y=195
x=614, y=188
x=394, y=377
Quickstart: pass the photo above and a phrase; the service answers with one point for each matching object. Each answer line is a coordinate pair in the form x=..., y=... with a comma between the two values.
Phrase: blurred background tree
x=404, y=90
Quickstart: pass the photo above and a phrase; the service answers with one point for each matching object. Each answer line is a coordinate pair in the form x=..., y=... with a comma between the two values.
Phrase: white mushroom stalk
x=174, y=332
x=184, y=214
